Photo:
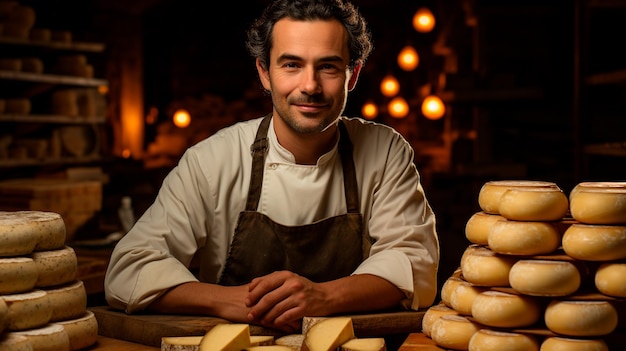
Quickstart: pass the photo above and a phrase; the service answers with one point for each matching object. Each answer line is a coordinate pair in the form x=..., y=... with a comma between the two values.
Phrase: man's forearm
x=361, y=292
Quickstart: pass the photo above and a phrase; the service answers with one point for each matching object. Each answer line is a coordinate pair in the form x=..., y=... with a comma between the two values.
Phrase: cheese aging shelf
x=52, y=106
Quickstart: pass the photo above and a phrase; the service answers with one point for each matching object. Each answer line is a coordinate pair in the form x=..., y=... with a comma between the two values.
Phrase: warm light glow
x=369, y=110
x=103, y=89
x=398, y=107
x=152, y=116
x=423, y=20
x=182, y=118
x=408, y=58
x=433, y=108
x=389, y=86
x=126, y=153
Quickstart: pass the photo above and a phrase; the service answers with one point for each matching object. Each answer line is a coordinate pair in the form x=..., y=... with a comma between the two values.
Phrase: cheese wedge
x=292, y=340
x=226, y=337
x=365, y=344
x=328, y=334
x=192, y=343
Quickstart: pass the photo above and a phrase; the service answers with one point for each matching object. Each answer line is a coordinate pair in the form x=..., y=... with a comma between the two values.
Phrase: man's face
x=308, y=75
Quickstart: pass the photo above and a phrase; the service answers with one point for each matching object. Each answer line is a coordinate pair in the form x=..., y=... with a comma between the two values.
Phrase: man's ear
x=264, y=75
x=355, y=76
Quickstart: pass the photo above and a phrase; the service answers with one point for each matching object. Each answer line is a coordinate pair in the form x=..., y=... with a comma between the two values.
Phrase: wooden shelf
x=52, y=79
x=613, y=77
x=52, y=119
x=49, y=161
x=72, y=46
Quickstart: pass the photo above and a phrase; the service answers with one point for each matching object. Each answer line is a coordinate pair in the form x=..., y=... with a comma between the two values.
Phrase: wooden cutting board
x=148, y=329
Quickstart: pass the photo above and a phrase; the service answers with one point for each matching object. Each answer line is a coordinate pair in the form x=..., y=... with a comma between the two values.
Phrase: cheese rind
x=82, y=332
x=328, y=334
x=18, y=235
x=478, y=226
x=292, y=340
x=492, y=340
x=47, y=228
x=226, y=337
x=12, y=342
x=448, y=288
x=364, y=344
x=595, y=242
x=432, y=314
x=453, y=332
x=491, y=192
x=554, y=343
x=544, y=277
x=28, y=310
x=534, y=204
x=599, y=205
x=68, y=301
x=17, y=275
x=504, y=310
x=581, y=318
x=463, y=296
x=56, y=267
x=486, y=268
x=610, y=279
x=51, y=337
x=523, y=238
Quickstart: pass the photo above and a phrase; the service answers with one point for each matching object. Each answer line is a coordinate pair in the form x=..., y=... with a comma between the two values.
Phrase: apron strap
x=349, y=173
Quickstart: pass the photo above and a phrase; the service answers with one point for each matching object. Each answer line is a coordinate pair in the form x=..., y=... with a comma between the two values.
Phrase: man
x=300, y=213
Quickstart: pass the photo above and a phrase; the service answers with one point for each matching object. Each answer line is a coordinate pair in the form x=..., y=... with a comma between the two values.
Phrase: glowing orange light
x=423, y=20
x=369, y=110
x=398, y=107
x=408, y=59
x=433, y=108
x=389, y=86
x=126, y=153
x=103, y=89
x=182, y=118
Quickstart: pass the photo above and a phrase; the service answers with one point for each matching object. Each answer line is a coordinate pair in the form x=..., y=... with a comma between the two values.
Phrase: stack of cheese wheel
x=43, y=306
x=519, y=283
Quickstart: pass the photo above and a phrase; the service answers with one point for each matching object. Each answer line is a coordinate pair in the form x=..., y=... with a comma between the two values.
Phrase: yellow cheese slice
x=56, y=267
x=524, y=238
x=545, y=277
x=581, y=318
x=82, y=331
x=68, y=301
x=28, y=310
x=226, y=337
x=493, y=340
x=556, y=343
x=432, y=314
x=17, y=275
x=51, y=337
x=533, y=204
x=328, y=334
x=595, y=242
x=504, y=310
x=453, y=332
x=364, y=344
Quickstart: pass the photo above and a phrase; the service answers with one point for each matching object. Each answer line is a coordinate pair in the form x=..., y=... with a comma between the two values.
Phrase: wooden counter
x=109, y=344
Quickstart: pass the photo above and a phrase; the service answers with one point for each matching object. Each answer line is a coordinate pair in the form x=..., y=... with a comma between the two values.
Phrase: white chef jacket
x=197, y=207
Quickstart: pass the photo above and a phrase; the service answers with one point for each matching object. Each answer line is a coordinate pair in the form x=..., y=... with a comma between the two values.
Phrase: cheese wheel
x=505, y=310
x=491, y=192
x=28, y=310
x=18, y=234
x=292, y=340
x=364, y=344
x=453, y=332
x=581, y=318
x=68, y=301
x=269, y=348
x=13, y=342
x=308, y=322
x=544, y=277
x=610, y=279
x=432, y=314
x=523, y=238
x=492, y=340
x=463, y=296
x=82, y=331
x=51, y=337
x=4, y=315
x=599, y=205
x=595, y=242
x=56, y=267
x=557, y=343
x=487, y=268
x=328, y=334
x=448, y=288
x=226, y=337
x=17, y=274
x=595, y=185
x=534, y=204
x=478, y=226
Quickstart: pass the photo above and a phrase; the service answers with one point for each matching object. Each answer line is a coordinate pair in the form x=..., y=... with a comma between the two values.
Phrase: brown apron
x=320, y=251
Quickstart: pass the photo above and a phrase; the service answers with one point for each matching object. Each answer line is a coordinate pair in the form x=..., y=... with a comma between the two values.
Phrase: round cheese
x=12, y=342
x=596, y=185
x=556, y=343
x=82, y=332
x=361, y=344
x=68, y=301
x=17, y=275
x=432, y=314
x=491, y=192
x=478, y=226
x=463, y=296
x=4, y=315
x=18, y=234
x=504, y=310
x=51, y=337
x=484, y=267
x=28, y=310
x=610, y=279
x=596, y=205
x=453, y=331
x=595, y=242
x=56, y=267
x=447, y=288
x=492, y=340
x=523, y=238
x=533, y=204
x=48, y=227
x=544, y=277
x=581, y=318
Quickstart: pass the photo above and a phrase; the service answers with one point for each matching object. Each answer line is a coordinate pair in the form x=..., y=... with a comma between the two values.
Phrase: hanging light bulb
x=433, y=108
x=369, y=110
x=408, y=59
x=398, y=107
x=389, y=86
x=182, y=118
x=423, y=20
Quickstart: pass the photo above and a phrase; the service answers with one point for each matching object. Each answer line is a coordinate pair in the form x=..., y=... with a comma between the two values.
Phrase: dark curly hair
x=259, y=34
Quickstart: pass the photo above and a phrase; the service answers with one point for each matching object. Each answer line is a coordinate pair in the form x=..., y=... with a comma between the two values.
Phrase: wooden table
x=110, y=344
